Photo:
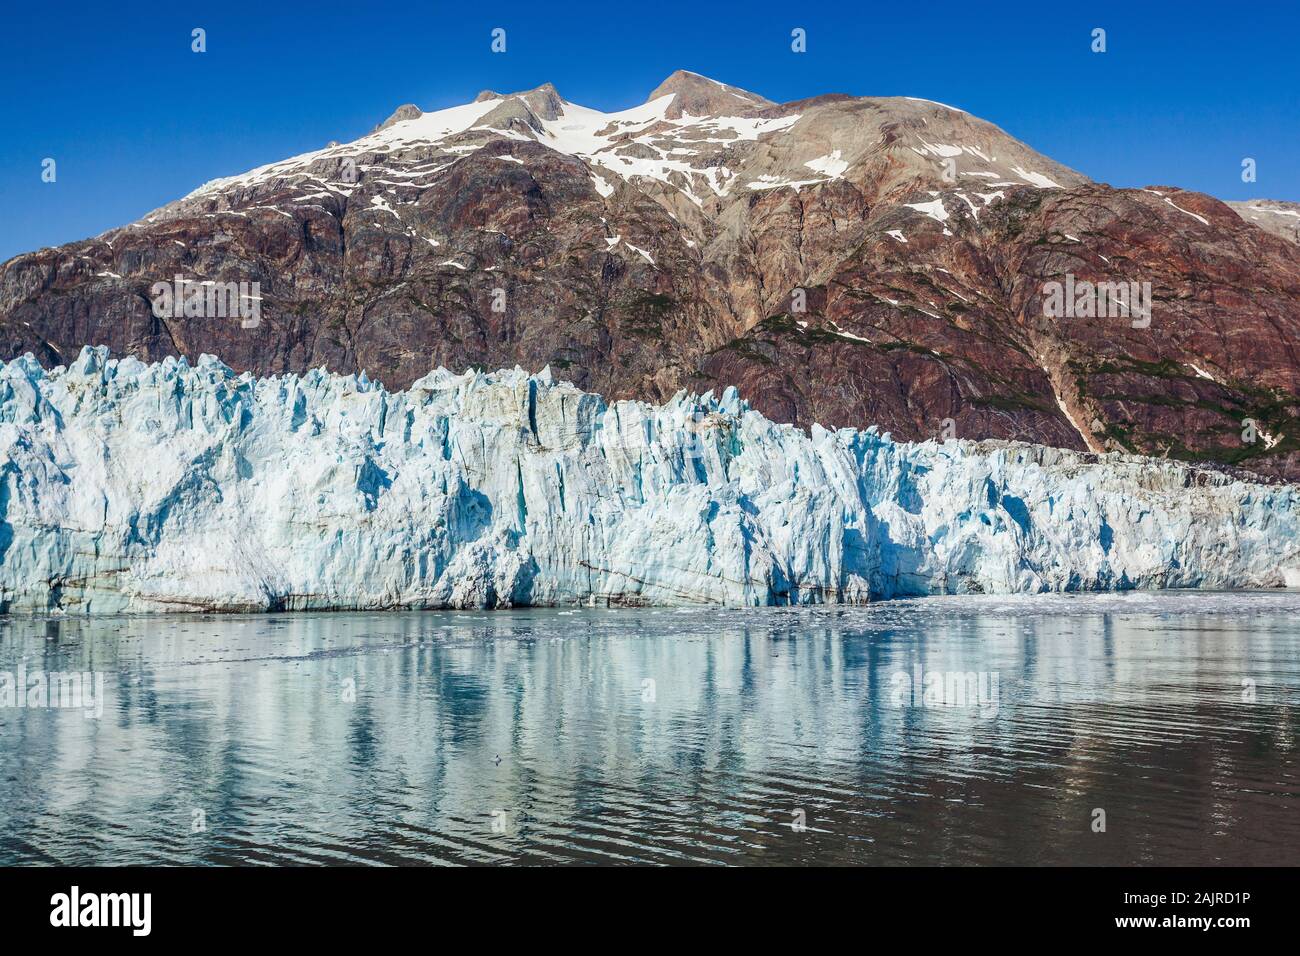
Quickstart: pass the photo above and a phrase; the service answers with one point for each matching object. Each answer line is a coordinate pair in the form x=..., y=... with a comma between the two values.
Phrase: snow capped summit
x=698, y=137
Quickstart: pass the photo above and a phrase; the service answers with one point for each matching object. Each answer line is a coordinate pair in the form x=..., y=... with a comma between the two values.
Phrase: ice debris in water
x=134, y=487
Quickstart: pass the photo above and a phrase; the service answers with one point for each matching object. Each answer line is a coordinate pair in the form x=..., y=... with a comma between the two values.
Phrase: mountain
x=849, y=261
x=496, y=490
x=1272, y=215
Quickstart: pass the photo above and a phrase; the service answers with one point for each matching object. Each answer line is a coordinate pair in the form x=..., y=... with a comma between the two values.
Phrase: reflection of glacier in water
x=667, y=735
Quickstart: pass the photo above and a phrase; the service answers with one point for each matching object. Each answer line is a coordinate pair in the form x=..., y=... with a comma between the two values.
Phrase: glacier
x=134, y=487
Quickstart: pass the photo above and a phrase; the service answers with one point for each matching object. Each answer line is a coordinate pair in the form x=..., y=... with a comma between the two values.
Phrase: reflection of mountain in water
x=667, y=736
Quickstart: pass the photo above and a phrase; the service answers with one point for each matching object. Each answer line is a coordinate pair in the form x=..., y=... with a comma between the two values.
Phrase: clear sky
x=134, y=119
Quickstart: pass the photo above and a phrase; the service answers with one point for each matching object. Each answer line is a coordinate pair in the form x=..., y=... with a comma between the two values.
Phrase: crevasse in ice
x=134, y=487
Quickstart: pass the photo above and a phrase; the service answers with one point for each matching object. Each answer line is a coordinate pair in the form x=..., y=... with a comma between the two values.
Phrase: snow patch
x=1035, y=179
x=829, y=165
x=934, y=209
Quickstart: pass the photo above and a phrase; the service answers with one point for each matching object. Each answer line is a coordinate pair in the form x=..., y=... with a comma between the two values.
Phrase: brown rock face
x=701, y=96
x=947, y=334
x=848, y=261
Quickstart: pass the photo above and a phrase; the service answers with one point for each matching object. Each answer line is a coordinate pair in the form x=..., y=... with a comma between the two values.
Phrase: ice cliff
x=134, y=487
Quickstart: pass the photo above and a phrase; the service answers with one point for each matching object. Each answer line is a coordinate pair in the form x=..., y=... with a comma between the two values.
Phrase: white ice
x=134, y=487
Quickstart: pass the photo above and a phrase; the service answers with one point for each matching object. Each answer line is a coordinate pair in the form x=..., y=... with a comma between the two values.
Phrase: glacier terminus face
x=179, y=487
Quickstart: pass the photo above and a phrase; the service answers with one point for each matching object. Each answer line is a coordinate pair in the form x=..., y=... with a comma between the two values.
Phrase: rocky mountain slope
x=847, y=261
x=496, y=490
x=1272, y=215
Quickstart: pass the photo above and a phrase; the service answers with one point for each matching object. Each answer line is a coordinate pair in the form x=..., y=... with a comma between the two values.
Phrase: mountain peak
x=403, y=113
x=701, y=96
x=544, y=100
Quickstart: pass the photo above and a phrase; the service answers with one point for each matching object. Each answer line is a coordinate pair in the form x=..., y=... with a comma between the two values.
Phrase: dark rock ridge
x=851, y=261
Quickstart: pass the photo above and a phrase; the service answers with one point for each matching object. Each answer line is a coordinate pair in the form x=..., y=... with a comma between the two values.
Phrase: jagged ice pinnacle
x=134, y=487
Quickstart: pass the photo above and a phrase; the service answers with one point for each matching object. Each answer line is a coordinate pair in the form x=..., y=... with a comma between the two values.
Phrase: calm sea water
x=666, y=736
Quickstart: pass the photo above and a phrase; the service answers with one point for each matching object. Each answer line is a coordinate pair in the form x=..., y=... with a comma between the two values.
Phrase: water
x=666, y=736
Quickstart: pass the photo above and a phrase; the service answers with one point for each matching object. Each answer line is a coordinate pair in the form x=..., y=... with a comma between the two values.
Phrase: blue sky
x=134, y=119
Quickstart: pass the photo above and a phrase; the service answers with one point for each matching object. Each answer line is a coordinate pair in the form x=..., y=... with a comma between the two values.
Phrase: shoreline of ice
x=127, y=487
